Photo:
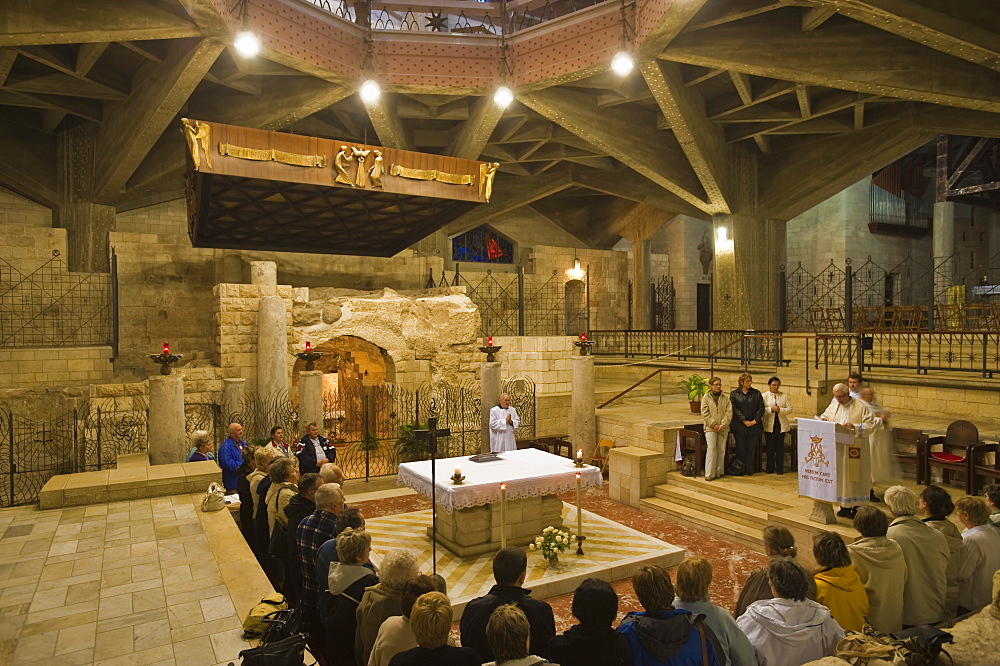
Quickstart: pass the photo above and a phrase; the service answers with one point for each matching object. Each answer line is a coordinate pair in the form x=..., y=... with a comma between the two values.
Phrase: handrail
x=636, y=385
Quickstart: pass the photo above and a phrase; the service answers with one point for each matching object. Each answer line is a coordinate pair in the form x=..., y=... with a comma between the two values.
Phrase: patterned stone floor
x=731, y=563
x=135, y=582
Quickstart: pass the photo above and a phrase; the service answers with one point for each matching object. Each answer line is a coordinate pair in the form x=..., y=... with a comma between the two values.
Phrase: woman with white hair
x=926, y=553
x=382, y=601
x=201, y=447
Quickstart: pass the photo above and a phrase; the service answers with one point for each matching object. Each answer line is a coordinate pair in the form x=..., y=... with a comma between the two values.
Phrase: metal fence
x=524, y=304
x=52, y=306
x=950, y=294
x=744, y=347
x=662, y=304
x=365, y=422
x=87, y=438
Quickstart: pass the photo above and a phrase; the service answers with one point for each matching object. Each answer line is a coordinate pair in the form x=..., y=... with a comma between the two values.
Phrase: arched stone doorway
x=349, y=364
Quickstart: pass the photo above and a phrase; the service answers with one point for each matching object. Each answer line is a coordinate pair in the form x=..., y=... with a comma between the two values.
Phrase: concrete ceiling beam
x=624, y=136
x=473, y=134
x=701, y=140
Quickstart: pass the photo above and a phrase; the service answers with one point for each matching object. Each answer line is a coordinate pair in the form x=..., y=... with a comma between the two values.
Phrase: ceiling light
x=247, y=43
x=622, y=63
x=370, y=92
x=503, y=97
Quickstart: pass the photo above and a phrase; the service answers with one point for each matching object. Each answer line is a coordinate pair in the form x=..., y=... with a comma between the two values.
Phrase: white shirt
x=320, y=453
x=501, y=432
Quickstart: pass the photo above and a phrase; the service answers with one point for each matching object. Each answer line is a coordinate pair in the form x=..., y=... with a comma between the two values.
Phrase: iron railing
x=54, y=307
x=90, y=437
x=745, y=347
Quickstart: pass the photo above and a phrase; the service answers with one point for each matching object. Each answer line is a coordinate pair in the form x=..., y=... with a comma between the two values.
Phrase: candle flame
x=489, y=341
x=578, y=476
x=583, y=336
x=166, y=347
x=503, y=486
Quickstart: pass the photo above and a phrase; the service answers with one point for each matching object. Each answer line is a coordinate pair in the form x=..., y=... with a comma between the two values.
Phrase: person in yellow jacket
x=838, y=586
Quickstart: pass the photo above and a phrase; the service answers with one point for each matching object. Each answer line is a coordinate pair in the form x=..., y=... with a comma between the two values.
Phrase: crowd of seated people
x=899, y=572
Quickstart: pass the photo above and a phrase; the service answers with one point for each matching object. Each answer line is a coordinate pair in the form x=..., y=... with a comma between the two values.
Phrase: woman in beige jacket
x=284, y=475
x=936, y=504
x=717, y=413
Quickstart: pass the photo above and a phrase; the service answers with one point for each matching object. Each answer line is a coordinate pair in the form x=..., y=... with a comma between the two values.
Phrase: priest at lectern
x=853, y=462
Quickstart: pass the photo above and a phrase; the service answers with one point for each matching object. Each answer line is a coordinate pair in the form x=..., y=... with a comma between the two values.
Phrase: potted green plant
x=696, y=387
x=409, y=447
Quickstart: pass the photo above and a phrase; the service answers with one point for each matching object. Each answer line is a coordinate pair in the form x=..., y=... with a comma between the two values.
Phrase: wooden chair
x=977, y=467
x=959, y=443
x=693, y=442
x=908, y=443
x=599, y=458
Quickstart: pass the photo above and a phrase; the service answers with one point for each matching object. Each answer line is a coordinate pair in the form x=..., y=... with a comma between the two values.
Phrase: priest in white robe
x=853, y=462
x=882, y=444
x=503, y=422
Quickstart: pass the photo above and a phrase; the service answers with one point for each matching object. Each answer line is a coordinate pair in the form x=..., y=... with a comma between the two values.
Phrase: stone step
x=730, y=530
x=753, y=518
x=717, y=491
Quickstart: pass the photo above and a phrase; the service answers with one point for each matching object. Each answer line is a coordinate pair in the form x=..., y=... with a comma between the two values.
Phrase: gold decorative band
x=455, y=178
x=272, y=155
x=432, y=174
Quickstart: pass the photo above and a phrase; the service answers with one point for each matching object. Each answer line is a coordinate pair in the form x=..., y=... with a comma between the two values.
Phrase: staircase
x=714, y=508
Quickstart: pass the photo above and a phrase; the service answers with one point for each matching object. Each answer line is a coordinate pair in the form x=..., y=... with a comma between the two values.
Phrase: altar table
x=469, y=514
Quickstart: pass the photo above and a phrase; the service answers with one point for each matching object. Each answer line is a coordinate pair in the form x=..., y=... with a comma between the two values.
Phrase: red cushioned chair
x=960, y=444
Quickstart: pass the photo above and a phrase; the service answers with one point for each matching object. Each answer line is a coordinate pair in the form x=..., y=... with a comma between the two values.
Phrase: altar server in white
x=503, y=422
x=853, y=462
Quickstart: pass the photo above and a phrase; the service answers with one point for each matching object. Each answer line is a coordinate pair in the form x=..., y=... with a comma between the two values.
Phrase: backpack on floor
x=254, y=624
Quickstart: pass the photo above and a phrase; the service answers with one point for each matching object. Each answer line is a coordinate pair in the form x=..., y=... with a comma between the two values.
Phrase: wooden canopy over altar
x=262, y=190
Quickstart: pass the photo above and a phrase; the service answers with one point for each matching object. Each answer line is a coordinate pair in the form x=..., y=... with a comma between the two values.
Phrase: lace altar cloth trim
x=527, y=473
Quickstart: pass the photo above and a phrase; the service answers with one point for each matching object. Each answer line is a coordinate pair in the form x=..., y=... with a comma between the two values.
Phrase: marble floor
x=611, y=551
x=152, y=581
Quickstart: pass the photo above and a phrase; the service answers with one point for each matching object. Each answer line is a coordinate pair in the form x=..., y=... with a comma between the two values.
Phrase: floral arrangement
x=551, y=542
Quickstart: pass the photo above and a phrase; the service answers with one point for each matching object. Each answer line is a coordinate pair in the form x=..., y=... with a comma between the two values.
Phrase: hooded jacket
x=784, y=632
x=882, y=569
x=377, y=604
x=669, y=638
x=926, y=553
x=346, y=585
x=954, y=537
x=734, y=644
x=841, y=590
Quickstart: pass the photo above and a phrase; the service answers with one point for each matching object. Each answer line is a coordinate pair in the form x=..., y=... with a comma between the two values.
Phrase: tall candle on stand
x=579, y=505
x=503, y=515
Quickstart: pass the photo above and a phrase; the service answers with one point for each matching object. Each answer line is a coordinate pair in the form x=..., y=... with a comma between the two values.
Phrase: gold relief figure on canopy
x=486, y=173
x=378, y=168
x=194, y=132
x=340, y=163
x=362, y=155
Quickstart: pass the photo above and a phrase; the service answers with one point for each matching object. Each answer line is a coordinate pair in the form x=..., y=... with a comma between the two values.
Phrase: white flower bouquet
x=551, y=542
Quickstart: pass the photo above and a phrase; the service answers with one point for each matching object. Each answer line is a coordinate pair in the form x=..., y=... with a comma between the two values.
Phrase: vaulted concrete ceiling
x=806, y=96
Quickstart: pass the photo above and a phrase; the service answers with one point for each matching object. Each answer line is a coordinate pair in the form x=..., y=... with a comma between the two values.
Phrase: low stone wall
x=66, y=366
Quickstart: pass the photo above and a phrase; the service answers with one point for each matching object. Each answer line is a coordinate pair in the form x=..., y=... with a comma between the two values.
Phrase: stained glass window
x=483, y=245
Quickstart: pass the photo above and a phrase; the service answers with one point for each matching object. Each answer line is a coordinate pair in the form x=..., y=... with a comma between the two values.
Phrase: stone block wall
x=15, y=209
x=981, y=406
x=28, y=246
x=234, y=325
x=67, y=366
x=545, y=359
x=609, y=276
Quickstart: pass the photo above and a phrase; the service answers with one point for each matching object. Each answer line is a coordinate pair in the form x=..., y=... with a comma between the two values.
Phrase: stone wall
x=15, y=209
x=66, y=366
x=543, y=359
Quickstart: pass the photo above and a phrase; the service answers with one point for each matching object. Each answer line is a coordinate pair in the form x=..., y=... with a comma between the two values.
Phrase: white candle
x=503, y=515
x=579, y=505
x=458, y=470
x=579, y=454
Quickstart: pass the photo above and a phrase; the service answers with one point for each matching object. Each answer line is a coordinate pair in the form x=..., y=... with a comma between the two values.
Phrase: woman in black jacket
x=748, y=410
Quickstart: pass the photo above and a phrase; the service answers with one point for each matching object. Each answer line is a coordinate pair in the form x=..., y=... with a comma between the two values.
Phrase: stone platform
x=612, y=552
x=477, y=530
x=134, y=478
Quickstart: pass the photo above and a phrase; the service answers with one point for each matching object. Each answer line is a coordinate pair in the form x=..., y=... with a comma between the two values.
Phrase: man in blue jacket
x=231, y=457
x=314, y=451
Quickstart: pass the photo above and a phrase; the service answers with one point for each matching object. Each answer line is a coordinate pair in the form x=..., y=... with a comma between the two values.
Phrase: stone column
x=310, y=399
x=583, y=419
x=746, y=280
x=489, y=387
x=232, y=397
x=264, y=274
x=943, y=231
x=272, y=349
x=167, y=440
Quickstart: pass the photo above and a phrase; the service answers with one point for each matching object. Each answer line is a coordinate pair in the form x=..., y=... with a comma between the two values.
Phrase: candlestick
x=578, y=461
x=579, y=514
x=503, y=515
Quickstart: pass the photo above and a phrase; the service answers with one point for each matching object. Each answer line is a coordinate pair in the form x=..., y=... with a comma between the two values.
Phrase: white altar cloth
x=527, y=473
